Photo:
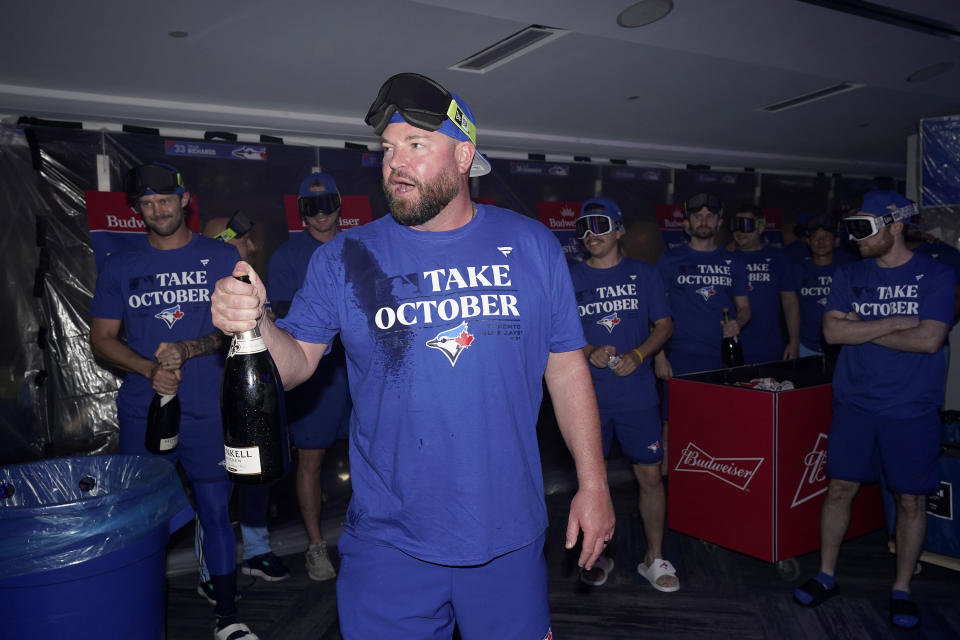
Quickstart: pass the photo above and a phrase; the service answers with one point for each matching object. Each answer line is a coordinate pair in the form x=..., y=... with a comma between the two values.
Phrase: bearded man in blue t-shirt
x=891, y=312
x=451, y=315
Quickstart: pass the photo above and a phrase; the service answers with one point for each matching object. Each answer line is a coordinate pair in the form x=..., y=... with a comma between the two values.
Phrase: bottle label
x=247, y=346
x=244, y=461
x=166, y=444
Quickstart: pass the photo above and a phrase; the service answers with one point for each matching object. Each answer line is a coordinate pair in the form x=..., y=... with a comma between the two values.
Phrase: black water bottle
x=255, y=438
x=163, y=423
x=730, y=348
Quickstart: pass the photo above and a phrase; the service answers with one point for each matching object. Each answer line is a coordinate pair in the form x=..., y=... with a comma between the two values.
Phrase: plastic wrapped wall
x=940, y=177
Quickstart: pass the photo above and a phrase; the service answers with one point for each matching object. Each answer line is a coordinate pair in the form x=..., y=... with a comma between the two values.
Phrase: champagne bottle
x=730, y=348
x=163, y=424
x=255, y=438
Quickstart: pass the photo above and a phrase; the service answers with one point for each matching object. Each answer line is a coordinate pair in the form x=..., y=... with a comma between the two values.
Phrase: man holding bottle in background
x=159, y=294
x=701, y=280
x=452, y=314
x=619, y=300
x=318, y=411
x=770, y=287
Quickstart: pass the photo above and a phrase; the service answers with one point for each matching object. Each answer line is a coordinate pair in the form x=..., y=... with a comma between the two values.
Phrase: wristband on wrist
x=639, y=354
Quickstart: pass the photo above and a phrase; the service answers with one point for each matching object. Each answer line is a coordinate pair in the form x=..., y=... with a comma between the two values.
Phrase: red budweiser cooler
x=747, y=463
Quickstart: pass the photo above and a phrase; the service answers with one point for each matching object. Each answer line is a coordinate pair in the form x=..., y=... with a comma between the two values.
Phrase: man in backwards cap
x=619, y=300
x=891, y=311
x=159, y=293
x=451, y=314
x=318, y=410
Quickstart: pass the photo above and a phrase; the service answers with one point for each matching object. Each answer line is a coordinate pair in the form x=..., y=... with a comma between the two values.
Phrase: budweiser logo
x=814, y=480
x=734, y=471
x=133, y=222
x=562, y=224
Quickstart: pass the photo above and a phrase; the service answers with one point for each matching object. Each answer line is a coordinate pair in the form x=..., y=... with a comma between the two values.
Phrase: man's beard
x=433, y=198
x=704, y=232
x=879, y=247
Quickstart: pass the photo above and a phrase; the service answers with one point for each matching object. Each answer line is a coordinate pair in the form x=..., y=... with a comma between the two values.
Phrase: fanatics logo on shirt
x=170, y=315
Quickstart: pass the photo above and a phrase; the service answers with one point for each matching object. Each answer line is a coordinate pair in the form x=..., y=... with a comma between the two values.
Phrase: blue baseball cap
x=601, y=206
x=317, y=184
x=457, y=131
x=880, y=202
x=154, y=178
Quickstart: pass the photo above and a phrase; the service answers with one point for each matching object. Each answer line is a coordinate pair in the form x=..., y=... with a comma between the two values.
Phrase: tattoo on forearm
x=205, y=345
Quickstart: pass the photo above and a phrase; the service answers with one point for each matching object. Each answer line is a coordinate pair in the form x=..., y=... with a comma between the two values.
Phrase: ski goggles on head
x=745, y=225
x=421, y=102
x=156, y=178
x=864, y=226
x=596, y=223
x=325, y=203
x=701, y=200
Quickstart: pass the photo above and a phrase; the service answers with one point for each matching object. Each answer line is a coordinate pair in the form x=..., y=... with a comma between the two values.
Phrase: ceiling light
x=932, y=71
x=813, y=96
x=177, y=34
x=511, y=47
x=644, y=12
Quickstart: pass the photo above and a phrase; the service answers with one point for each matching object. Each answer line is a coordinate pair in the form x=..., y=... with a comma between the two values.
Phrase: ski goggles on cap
x=238, y=226
x=421, y=102
x=864, y=226
x=596, y=223
x=325, y=203
x=701, y=200
x=745, y=224
x=155, y=178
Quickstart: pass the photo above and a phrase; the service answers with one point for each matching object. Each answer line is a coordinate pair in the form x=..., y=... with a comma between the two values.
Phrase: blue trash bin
x=83, y=542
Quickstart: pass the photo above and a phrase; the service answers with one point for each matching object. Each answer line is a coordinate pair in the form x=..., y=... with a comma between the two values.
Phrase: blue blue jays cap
x=880, y=202
x=601, y=206
x=318, y=194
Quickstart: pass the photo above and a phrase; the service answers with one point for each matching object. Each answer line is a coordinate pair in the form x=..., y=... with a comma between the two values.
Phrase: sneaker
x=318, y=562
x=266, y=566
x=205, y=589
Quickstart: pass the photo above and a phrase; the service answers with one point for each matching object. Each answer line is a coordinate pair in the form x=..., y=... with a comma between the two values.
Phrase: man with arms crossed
x=891, y=312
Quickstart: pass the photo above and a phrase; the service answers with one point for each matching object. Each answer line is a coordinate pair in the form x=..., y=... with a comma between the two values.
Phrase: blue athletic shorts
x=637, y=430
x=907, y=451
x=199, y=450
x=385, y=593
x=318, y=411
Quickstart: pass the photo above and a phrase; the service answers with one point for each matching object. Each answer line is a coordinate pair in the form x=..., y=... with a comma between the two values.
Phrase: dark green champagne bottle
x=255, y=438
x=163, y=424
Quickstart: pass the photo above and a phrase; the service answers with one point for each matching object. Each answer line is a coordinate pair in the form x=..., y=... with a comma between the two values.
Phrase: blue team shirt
x=616, y=307
x=941, y=251
x=769, y=272
x=309, y=405
x=164, y=296
x=447, y=336
x=699, y=285
x=813, y=287
x=882, y=380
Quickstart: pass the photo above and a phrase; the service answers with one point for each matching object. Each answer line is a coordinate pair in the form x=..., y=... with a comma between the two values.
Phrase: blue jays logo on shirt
x=609, y=322
x=655, y=446
x=452, y=342
x=706, y=292
x=170, y=315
